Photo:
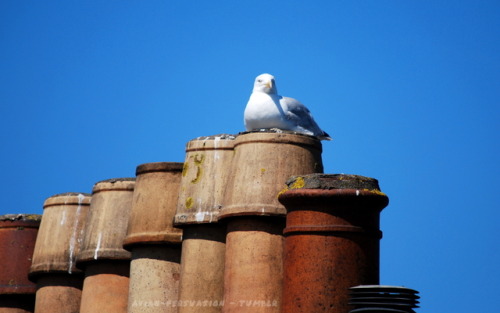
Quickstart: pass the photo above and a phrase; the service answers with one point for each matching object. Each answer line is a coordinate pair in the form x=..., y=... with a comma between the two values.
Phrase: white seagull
x=266, y=109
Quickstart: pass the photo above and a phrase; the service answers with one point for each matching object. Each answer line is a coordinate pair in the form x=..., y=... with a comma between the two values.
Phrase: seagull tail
x=324, y=136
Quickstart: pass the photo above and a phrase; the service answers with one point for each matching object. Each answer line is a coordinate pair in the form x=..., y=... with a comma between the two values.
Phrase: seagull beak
x=269, y=84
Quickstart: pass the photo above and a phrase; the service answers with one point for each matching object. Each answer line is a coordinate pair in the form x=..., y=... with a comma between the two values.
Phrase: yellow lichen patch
x=282, y=191
x=262, y=170
x=185, y=169
x=198, y=159
x=197, y=178
x=298, y=183
x=375, y=191
x=189, y=203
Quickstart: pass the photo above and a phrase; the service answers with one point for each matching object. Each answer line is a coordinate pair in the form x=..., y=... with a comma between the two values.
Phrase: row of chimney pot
x=220, y=232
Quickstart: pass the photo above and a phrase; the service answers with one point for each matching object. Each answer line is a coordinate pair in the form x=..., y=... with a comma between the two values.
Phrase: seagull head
x=265, y=83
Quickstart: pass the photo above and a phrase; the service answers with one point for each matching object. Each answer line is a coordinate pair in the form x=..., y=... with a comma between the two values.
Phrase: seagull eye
x=259, y=80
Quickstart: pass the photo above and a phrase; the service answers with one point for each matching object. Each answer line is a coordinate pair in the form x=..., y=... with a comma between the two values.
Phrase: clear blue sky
x=408, y=89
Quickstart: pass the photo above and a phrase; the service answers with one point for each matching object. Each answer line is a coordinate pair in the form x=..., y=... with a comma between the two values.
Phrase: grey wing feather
x=300, y=115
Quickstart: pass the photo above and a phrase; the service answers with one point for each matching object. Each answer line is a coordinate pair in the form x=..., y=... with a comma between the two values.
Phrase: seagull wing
x=300, y=116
